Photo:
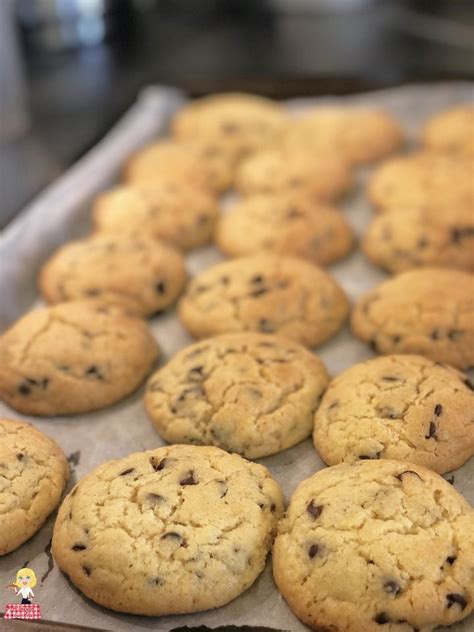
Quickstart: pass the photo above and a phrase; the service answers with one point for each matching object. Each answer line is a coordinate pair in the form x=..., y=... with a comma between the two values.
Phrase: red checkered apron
x=22, y=611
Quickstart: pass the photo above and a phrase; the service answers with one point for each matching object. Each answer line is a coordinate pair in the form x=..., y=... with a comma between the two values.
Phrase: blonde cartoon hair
x=26, y=573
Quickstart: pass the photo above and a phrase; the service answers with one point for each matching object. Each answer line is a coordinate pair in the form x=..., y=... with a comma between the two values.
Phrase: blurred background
x=70, y=68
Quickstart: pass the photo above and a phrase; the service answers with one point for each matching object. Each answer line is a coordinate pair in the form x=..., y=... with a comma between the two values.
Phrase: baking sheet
x=61, y=213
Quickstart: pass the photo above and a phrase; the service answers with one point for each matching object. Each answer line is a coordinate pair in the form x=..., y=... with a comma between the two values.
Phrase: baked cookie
x=34, y=472
x=405, y=239
x=238, y=123
x=178, y=214
x=173, y=530
x=169, y=162
x=429, y=311
x=73, y=358
x=277, y=171
x=451, y=131
x=435, y=183
x=376, y=545
x=287, y=225
x=268, y=294
x=253, y=394
x=402, y=407
x=358, y=135
x=135, y=272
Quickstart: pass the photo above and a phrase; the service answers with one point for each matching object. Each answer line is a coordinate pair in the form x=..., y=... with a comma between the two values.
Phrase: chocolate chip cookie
x=376, y=545
x=279, y=171
x=413, y=238
x=136, y=272
x=451, y=131
x=428, y=311
x=178, y=214
x=72, y=358
x=253, y=394
x=287, y=225
x=173, y=530
x=358, y=135
x=267, y=294
x=436, y=183
x=34, y=472
x=397, y=407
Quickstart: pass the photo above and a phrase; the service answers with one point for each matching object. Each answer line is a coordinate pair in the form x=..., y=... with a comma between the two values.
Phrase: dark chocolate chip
x=87, y=570
x=93, y=371
x=79, y=547
x=392, y=587
x=129, y=471
x=24, y=389
x=396, y=339
x=313, y=550
x=435, y=334
x=455, y=334
x=431, y=431
x=160, y=287
x=451, y=559
x=438, y=410
x=265, y=325
x=469, y=384
x=258, y=278
x=449, y=478
x=171, y=535
x=157, y=466
x=189, y=479
x=365, y=457
x=390, y=378
x=459, y=233
x=373, y=344
x=45, y=383
x=405, y=473
x=314, y=510
x=382, y=618
x=31, y=381
x=273, y=507
x=456, y=598
x=156, y=581
x=259, y=292
x=20, y=456
x=154, y=498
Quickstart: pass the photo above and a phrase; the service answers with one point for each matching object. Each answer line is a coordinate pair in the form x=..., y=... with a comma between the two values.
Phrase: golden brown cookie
x=34, y=472
x=451, y=131
x=178, y=214
x=253, y=394
x=402, y=407
x=428, y=311
x=287, y=225
x=267, y=294
x=173, y=530
x=374, y=546
x=136, y=272
x=73, y=358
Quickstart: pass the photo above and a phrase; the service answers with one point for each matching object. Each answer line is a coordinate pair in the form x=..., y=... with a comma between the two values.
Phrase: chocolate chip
x=469, y=384
x=387, y=412
x=455, y=334
x=373, y=344
x=265, y=326
x=93, y=371
x=171, y=535
x=195, y=373
x=314, y=510
x=405, y=473
x=392, y=587
x=313, y=550
x=273, y=507
x=189, y=479
x=449, y=478
x=259, y=292
x=375, y=455
x=87, y=570
x=129, y=471
x=390, y=378
x=382, y=618
x=45, y=383
x=160, y=287
x=79, y=547
x=258, y=278
x=20, y=456
x=153, y=498
x=435, y=334
x=431, y=431
x=396, y=339
x=438, y=410
x=24, y=389
x=456, y=598
x=451, y=559
x=157, y=466
x=156, y=581
x=459, y=233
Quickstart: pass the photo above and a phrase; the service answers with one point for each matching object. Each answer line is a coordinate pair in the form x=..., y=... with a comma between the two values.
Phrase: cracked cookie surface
x=358, y=135
x=33, y=474
x=267, y=294
x=428, y=311
x=412, y=238
x=436, y=183
x=73, y=357
x=451, y=131
x=138, y=273
x=173, y=530
x=178, y=214
x=279, y=171
x=253, y=394
x=397, y=407
x=287, y=225
x=377, y=545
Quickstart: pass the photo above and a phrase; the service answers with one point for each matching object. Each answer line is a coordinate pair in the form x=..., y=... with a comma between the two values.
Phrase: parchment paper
x=60, y=214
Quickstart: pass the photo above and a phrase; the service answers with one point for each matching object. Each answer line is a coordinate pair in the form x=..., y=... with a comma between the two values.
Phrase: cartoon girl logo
x=25, y=581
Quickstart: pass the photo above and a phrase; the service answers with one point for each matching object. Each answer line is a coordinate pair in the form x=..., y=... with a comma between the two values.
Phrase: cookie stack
x=376, y=539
